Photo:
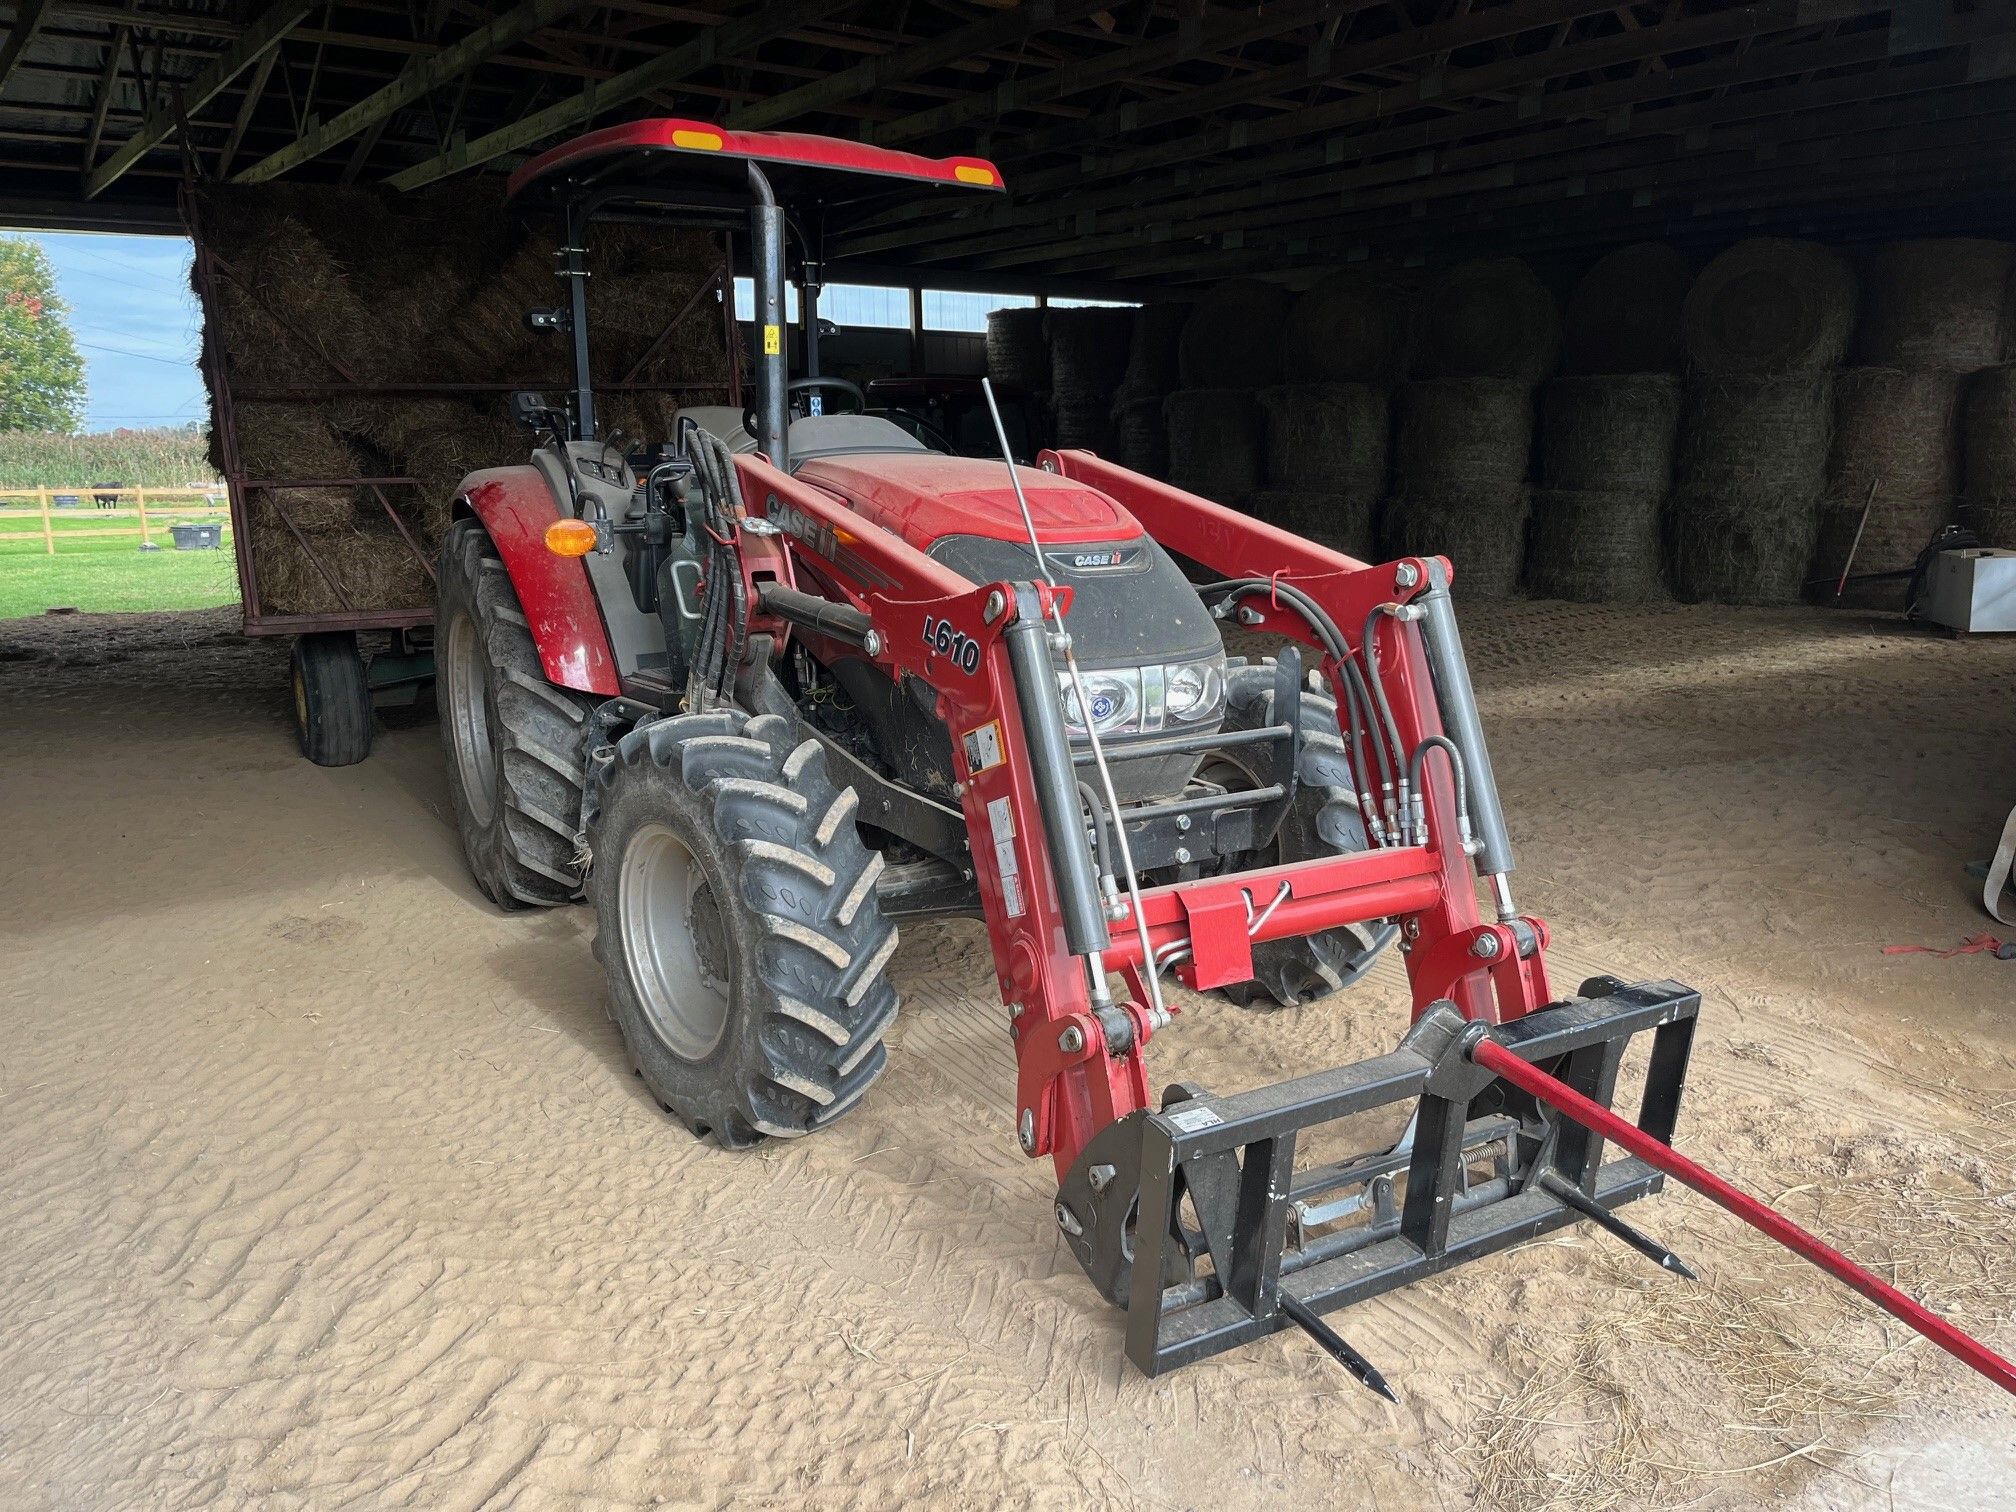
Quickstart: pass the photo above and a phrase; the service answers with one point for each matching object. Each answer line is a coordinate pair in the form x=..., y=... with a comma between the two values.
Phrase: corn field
x=161, y=458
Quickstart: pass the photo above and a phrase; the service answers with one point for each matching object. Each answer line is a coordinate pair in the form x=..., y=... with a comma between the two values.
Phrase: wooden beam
x=1836, y=168
x=1210, y=31
x=1473, y=28
x=996, y=30
x=419, y=78
x=254, y=92
x=107, y=82
x=258, y=39
x=1607, y=101
x=1421, y=176
x=714, y=44
x=28, y=18
x=1715, y=29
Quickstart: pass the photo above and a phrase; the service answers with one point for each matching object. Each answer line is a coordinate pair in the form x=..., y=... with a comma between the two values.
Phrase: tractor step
x=1197, y=1221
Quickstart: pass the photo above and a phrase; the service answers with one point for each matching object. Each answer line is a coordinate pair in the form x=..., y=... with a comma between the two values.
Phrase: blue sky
x=137, y=326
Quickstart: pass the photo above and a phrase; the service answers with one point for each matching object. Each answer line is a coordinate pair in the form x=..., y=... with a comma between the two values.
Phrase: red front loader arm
x=1073, y=1079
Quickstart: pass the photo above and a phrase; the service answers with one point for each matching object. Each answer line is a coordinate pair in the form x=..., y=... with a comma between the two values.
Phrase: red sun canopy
x=669, y=149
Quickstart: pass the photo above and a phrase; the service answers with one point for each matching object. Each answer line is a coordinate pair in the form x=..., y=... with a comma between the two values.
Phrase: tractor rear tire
x=516, y=743
x=737, y=922
x=1322, y=821
x=332, y=698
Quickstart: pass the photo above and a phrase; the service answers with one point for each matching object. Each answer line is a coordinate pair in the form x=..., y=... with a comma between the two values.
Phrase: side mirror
x=555, y=319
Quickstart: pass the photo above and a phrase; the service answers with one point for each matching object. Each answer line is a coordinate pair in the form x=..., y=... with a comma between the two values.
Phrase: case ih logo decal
x=1096, y=558
x=816, y=536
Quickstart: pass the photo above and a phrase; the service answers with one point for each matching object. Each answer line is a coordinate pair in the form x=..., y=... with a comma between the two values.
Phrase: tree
x=41, y=375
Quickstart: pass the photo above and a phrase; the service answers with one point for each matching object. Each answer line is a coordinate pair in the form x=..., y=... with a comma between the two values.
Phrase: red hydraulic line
x=1599, y=1119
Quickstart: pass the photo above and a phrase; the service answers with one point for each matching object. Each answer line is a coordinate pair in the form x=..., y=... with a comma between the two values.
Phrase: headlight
x=1115, y=698
x=1140, y=700
x=1194, y=690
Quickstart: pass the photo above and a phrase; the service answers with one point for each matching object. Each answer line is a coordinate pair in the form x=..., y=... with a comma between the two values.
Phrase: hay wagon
x=360, y=352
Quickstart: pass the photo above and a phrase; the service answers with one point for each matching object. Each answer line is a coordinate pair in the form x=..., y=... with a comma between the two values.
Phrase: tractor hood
x=926, y=496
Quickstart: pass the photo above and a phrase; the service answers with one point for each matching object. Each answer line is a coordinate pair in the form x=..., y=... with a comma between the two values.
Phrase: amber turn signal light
x=570, y=538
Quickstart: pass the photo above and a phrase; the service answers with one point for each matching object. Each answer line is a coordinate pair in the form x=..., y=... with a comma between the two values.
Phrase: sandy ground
x=323, y=1184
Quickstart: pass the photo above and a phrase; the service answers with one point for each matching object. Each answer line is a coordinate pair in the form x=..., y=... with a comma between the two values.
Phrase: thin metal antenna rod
x=1149, y=974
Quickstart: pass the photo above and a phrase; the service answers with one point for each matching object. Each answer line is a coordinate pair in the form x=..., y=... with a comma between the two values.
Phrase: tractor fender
x=515, y=506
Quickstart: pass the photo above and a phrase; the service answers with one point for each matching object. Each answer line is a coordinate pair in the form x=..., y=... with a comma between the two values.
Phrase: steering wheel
x=750, y=419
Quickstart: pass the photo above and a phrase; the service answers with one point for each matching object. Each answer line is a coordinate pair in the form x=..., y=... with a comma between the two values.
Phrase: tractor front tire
x=332, y=698
x=1323, y=820
x=515, y=742
x=737, y=922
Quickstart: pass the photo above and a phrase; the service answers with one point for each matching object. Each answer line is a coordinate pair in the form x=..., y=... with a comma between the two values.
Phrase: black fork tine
x=1333, y=1344
x=1567, y=1192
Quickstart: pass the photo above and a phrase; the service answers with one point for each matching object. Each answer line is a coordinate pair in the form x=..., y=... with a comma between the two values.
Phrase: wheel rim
x=675, y=942
x=469, y=718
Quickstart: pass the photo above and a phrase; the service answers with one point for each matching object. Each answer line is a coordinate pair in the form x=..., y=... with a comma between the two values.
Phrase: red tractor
x=765, y=687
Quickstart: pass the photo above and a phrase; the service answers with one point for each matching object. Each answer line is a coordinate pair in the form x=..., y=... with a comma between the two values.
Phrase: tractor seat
x=813, y=436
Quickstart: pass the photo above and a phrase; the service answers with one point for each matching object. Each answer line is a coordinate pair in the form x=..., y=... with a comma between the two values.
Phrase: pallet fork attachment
x=1197, y=1220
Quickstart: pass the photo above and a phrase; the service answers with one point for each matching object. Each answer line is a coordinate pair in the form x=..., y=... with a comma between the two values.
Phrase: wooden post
x=48, y=529
x=140, y=498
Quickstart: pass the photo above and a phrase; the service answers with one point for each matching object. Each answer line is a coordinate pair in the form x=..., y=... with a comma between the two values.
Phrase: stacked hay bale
x=1154, y=370
x=1326, y=462
x=1487, y=333
x=1764, y=326
x=1931, y=314
x=1460, y=479
x=1624, y=313
x=1018, y=349
x=1989, y=429
x=1606, y=455
x=1089, y=350
x=1893, y=475
x=1231, y=347
x=1607, y=432
x=1351, y=327
x=326, y=286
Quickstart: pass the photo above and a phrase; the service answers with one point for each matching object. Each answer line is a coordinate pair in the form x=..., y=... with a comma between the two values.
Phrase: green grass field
x=108, y=574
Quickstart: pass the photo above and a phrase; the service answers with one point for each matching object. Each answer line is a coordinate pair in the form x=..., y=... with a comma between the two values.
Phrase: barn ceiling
x=1141, y=139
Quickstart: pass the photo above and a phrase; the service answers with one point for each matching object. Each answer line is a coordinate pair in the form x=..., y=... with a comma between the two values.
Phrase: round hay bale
x=1088, y=359
x=1349, y=328
x=1215, y=442
x=1895, y=433
x=1595, y=546
x=1141, y=435
x=1233, y=336
x=1624, y=314
x=1988, y=438
x=1610, y=433
x=1325, y=436
x=1463, y=431
x=1728, y=549
x=1084, y=421
x=1755, y=440
x=1933, y=305
x=1340, y=518
x=1492, y=318
x=1018, y=351
x=1154, y=350
x=1089, y=349
x=1480, y=527
x=1898, y=528
x=1768, y=306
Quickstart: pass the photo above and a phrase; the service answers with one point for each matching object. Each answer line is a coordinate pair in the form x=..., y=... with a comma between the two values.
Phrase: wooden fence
x=48, y=505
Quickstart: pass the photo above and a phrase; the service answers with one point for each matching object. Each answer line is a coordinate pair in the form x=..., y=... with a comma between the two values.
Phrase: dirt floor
x=324, y=1184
